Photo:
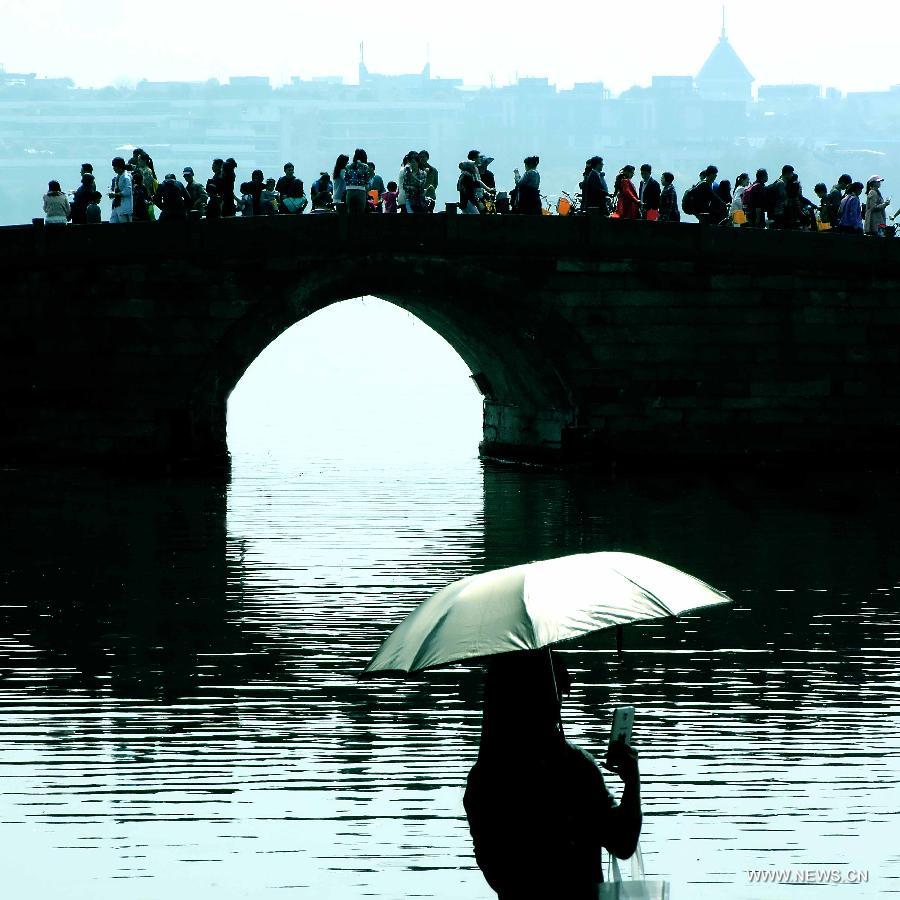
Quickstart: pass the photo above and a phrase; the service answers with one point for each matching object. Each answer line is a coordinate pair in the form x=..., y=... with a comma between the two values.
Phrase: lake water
x=179, y=709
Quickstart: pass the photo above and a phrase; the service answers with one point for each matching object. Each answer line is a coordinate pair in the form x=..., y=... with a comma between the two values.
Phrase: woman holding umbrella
x=538, y=809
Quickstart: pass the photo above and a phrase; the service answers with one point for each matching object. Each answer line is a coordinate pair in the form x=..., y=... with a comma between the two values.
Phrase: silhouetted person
x=338, y=185
x=356, y=182
x=876, y=216
x=431, y=177
x=723, y=192
x=594, y=190
x=196, y=191
x=709, y=208
x=755, y=200
x=120, y=192
x=538, y=808
x=214, y=203
x=215, y=180
x=140, y=198
x=93, y=214
x=82, y=197
x=56, y=205
x=668, y=200
x=778, y=193
x=285, y=185
x=628, y=205
x=850, y=220
x=467, y=185
x=648, y=193
x=252, y=189
x=172, y=199
x=226, y=191
x=831, y=204
x=528, y=188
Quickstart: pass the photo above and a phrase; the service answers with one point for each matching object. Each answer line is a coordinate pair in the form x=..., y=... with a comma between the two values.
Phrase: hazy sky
x=107, y=41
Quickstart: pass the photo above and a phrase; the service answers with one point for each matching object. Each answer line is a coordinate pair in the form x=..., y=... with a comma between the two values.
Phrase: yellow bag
x=739, y=217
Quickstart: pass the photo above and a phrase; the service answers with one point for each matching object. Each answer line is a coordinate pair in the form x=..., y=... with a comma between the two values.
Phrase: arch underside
x=518, y=351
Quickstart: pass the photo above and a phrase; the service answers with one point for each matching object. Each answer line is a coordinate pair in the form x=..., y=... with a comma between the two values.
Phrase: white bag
x=635, y=888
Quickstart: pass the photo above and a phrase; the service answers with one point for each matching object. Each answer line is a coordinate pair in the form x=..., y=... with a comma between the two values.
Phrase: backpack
x=689, y=201
x=749, y=197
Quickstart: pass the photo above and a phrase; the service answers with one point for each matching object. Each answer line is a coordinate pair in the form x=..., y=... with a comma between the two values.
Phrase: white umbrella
x=535, y=605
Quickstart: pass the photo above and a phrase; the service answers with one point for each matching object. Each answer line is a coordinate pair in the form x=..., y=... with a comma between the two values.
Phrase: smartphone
x=623, y=721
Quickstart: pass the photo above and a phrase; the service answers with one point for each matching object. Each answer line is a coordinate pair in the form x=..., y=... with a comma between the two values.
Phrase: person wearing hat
x=594, y=190
x=876, y=217
x=488, y=195
x=196, y=191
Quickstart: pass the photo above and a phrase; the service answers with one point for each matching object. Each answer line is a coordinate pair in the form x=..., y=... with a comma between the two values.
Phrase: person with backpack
x=702, y=200
x=753, y=200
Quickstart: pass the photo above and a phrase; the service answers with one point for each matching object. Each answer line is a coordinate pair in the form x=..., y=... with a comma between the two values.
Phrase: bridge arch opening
x=516, y=346
x=361, y=379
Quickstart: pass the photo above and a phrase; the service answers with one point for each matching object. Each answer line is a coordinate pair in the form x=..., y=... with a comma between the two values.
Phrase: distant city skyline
x=199, y=40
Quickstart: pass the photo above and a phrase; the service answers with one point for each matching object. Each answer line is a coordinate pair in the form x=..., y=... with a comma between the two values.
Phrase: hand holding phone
x=620, y=758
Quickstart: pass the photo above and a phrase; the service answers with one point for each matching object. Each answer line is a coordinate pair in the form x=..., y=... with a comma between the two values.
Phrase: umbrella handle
x=556, y=689
x=620, y=634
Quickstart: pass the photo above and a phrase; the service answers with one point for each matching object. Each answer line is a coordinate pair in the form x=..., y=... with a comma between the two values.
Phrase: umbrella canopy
x=535, y=605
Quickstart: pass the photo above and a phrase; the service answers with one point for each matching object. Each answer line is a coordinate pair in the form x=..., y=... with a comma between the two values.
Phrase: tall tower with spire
x=724, y=75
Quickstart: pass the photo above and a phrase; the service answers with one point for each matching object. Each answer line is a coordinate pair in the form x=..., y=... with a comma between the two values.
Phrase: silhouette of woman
x=538, y=808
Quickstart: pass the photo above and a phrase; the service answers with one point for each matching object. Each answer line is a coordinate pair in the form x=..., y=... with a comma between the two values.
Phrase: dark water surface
x=181, y=715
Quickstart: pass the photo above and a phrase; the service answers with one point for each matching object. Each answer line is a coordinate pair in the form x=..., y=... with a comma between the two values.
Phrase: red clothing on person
x=628, y=206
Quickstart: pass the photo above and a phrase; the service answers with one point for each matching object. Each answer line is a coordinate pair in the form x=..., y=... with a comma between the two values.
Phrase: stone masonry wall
x=591, y=339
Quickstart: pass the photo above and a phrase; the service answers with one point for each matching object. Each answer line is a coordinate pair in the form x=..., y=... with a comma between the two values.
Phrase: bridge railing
x=289, y=237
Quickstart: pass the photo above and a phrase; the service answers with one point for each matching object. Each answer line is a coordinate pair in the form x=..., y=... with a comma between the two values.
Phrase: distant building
x=724, y=75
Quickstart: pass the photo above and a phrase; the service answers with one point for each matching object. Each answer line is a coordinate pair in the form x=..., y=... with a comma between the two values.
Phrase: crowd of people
x=849, y=206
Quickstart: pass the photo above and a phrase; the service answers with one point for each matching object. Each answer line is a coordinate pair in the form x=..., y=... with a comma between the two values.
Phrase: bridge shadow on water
x=137, y=587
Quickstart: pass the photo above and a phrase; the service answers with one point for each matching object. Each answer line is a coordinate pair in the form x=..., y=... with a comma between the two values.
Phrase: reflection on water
x=181, y=717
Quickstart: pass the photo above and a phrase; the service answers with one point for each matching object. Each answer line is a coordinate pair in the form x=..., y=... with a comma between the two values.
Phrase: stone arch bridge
x=589, y=339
